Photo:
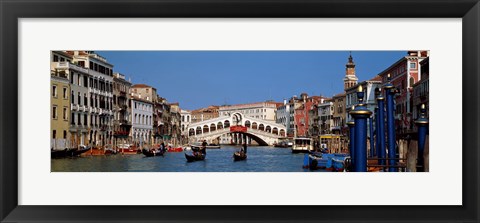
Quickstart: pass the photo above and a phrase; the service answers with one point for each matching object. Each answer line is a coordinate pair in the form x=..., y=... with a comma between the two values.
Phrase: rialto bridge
x=233, y=129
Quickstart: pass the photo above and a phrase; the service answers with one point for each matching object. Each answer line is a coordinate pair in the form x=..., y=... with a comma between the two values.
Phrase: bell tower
x=350, y=79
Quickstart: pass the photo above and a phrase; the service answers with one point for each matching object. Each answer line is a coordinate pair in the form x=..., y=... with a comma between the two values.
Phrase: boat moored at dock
x=302, y=145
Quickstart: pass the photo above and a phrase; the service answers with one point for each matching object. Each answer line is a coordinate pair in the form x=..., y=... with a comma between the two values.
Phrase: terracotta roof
x=141, y=99
x=140, y=86
x=376, y=78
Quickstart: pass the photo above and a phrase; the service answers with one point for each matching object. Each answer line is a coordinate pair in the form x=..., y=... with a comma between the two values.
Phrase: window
x=54, y=134
x=79, y=119
x=413, y=65
x=72, y=119
x=54, y=91
x=85, y=99
x=85, y=81
x=85, y=119
x=55, y=58
x=64, y=134
x=65, y=93
x=71, y=78
x=54, y=112
x=79, y=98
x=65, y=114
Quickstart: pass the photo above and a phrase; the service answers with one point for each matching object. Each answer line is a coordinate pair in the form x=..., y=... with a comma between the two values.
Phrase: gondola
x=68, y=152
x=191, y=158
x=148, y=153
x=237, y=156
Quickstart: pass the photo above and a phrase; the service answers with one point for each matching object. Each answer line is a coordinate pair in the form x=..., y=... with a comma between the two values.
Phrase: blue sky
x=198, y=79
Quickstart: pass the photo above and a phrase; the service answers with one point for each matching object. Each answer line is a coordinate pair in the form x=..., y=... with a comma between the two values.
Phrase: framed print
x=180, y=35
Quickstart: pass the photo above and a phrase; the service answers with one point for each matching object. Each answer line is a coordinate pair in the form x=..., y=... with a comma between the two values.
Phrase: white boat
x=302, y=145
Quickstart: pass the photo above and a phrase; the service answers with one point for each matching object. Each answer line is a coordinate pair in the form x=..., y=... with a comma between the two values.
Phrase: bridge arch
x=213, y=127
x=226, y=124
x=268, y=129
x=257, y=139
x=282, y=132
x=219, y=125
x=247, y=124
x=261, y=127
x=205, y=129
x=254, y=125
x=191, y=132
x=198, y=130
x=275, y=130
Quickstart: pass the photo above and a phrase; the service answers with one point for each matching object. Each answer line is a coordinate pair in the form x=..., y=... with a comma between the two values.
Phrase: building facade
x=404, y=74
x=421, y=89
x=142, y=121
x=339, y=114
x=325, y=113
x=59, y=103
x=95, y=103
x=122, y=109
x=369, y=99
x=203, y=114
x=259, y=110
x=186, y=116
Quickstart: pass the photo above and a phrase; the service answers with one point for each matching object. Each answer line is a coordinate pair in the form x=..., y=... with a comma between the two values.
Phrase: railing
x=73, y=107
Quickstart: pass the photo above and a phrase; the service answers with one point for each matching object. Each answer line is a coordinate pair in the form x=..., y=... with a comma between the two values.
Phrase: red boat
x=175, y=150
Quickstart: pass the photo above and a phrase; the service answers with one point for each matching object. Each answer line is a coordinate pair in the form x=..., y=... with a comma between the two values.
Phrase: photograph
x=239, y=111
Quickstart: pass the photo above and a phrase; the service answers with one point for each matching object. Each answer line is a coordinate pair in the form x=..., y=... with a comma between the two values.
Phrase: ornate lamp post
x=360, y=114
x=422, y=124
x=380, y=126
x=390, y=92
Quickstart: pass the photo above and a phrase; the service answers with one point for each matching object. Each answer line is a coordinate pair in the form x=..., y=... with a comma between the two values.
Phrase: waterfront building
x=314, y=121
x=301, y=114
x=325, y=113
x=92, y=98
x=163, y=121
x=142, y=120
x=421, y=91
x=369, y=99
x=186, y=116
x=404, y=74
x=145, y=92
x=175, y=118
x=59, y=103
x=65, y=64
x=260, y=110
x=339, y=114
x=122, y=109
x=203, y=114
x=286, y=114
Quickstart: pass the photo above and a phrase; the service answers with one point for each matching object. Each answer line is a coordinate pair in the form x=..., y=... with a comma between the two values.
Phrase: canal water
x=260, y=159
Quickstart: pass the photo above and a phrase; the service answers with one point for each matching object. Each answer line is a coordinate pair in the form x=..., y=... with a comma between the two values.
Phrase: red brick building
x=404, y=74
x=301, y=114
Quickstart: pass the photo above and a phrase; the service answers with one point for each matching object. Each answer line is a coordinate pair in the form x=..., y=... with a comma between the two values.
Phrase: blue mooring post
x=360, y=114
x=381, y=126
x=371, y=136
x=422, y=125
x=351, y=129
x=376, y=131
x=390, y=92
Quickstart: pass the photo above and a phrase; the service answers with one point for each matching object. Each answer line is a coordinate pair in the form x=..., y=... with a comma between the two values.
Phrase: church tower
x=350, y=79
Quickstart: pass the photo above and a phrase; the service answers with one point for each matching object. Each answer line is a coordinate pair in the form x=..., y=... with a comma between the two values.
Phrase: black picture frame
x=11, y=11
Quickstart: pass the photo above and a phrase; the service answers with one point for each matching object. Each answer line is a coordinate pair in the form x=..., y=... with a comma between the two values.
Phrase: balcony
x=73, y=107
x=125, y=122
x=104, y=127
x=67, y=65
x=122, y=94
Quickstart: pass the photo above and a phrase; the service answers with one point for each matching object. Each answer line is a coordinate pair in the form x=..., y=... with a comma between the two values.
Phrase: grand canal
x=260, y=159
